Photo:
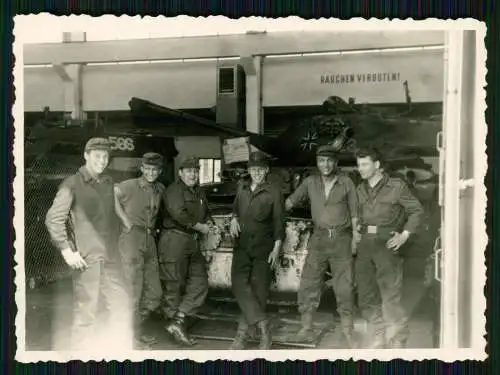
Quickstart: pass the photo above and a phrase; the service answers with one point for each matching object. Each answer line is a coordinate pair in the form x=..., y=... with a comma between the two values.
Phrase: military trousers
x=183, y=272
x=323, y=251
x=251, y=279
x=139, y=258
x=379, y=280
x=102, y=281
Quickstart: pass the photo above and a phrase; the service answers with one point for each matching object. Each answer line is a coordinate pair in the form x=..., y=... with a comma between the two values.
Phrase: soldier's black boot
x=240, y=340
x=177, y=328
x=265, y=335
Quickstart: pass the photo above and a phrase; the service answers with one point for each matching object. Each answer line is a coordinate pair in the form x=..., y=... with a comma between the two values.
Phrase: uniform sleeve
x=236, y=205
x=161, y=208
x=352, y=199
x=161, y=188
x=209, y=211
x=175, y=205
x=300, y=193
x=412, y=206
x=58, y=215
x=279, y=215
x=122, y=191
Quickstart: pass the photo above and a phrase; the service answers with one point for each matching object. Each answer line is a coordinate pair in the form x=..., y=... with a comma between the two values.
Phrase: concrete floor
x=49, y=318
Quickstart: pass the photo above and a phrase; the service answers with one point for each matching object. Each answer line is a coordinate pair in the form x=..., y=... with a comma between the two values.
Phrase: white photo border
x=26, y=24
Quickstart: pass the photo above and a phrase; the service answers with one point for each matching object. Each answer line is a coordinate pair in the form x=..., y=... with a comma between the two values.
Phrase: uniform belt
x=376, y=229
x=194, y=236
x=144, y=228
x=332, y=232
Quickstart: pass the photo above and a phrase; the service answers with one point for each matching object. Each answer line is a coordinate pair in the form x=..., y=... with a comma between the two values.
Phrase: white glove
x=235, y=227
x=74, y=259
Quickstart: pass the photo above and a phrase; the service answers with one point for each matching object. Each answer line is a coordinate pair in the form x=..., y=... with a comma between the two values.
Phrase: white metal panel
x=309, y=80
x=479, y=206
x=43, y=88
x=177, y=85
x=226, y=45
x=451, y=138
x=450, y=288
x=464, y=238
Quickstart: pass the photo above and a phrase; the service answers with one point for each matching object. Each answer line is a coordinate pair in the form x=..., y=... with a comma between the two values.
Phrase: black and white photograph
x=208, y=188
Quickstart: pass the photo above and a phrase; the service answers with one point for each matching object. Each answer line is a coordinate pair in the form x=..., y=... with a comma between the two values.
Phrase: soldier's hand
x=74, y=259
x=127, y=226
x=356, y=236
x=273, y=257
x=397, y=240
x=204, y=228
x=235, y=227
x=354, y=246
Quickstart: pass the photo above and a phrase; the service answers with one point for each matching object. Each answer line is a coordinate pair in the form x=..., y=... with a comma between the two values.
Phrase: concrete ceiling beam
x=262, y=44
x=62, y=72
x=248, y=64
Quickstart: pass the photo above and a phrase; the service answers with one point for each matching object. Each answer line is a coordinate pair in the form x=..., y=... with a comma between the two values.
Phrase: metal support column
x=253, y=70
x=460, y=154
x=71, y=74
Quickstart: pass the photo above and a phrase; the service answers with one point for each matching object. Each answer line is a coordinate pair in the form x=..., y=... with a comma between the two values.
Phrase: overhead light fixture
x=251, y=32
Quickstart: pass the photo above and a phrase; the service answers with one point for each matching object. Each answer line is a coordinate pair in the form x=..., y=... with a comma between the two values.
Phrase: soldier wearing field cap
x=334, y=211
x=258, y=224
x=83, y=225
x=137, y=203
x=182, y=265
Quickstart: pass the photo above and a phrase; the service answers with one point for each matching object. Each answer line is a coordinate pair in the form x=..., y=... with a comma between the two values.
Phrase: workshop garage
x=285, y=94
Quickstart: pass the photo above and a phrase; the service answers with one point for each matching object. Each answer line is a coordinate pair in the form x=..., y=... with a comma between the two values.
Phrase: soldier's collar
x=183, y=184
x=334, y=180
x=87, y=177
x=143, y=183
x=263, y=186
x=381, y=182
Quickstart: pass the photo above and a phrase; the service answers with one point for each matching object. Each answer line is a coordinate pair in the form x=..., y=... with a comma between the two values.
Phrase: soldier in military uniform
x=137, y=202
x=83, y=225
x=334, y=211
x=183, y=269
x=389, y=214
x=258, y=223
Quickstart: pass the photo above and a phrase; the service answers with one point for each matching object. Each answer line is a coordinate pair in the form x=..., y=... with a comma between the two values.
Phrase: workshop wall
x=287, y=81
x=369, y=78
x=42, y=88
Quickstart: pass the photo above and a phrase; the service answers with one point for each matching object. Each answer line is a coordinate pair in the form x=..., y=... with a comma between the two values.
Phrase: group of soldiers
x=106, y=234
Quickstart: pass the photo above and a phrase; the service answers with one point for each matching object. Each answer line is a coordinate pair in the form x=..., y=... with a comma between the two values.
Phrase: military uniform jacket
x=141, y=200
x=389, y=205
x=261, y=216
x=184, y=207
x=82, y=216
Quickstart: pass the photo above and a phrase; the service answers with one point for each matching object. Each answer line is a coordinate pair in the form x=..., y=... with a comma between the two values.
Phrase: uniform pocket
x=362, y=198
x=261, y=209
x=173, y=246
x=313, y=241
x=191, y=201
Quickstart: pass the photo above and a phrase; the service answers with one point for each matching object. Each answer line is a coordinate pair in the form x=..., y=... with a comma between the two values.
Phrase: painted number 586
x=122, y=143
